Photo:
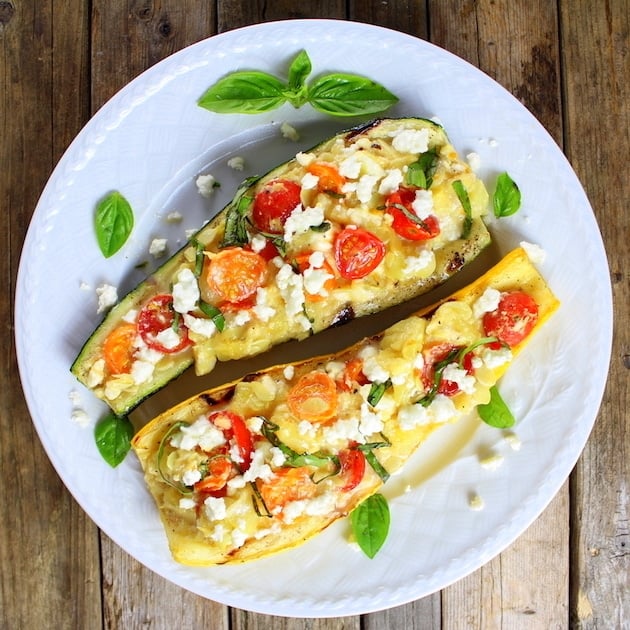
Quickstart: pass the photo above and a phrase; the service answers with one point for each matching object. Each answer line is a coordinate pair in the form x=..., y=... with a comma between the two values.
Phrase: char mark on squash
x=211, y=401
x=456, y=263
x=345, y=315
x=357, y=131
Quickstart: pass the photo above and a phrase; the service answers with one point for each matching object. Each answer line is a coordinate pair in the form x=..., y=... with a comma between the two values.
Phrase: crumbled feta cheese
x=80, y=417
x=96, y=374
x=206, y=185
x=107, y=297
x=315, y=281
x=191, y=477
x=258, y=243
x=258, y=469
x=476, y=503
x=492, y=461
x=343, y=429
x=365, y=187
x=157, y=247
x=291, y=289
x=255, y=424
x=318, y=506
x=335, y=369
x=309, y=181
x=534, y=252
x=495, y=358
x=185, y=291
x=262, y=310
x=371, y=367
x=306, y=428
x=304, y=159
x=168, y=338
x=443, y=408
x=277, y=457
x=466, y=382
x=412, y=416
x=350, y=167
x=186, y=504
x=200, y=433
x=215, y=508
x=289, y=132
x=411, y=140
x=130, y=316
x=241, y=318
x=200, y=325
x=370, y=421
x=513, y=440
x=422, y=205
x=288, y=372
x=487, y=302
x=236, y=162
x=218, y=533
x=238, y=537
x=416, y=264
x=142, y=371
x=236, y=483
x=75, y=397
x=174, y=217
x=474, y=161
x=391, y=182
x=301, y=220
x=84, y=286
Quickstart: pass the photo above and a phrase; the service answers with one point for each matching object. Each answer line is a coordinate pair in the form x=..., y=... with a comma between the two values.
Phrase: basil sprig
x=462, y=195
x=113, y=438
x=506, y=199
x=236, y=216
x=113, y=223
x=336, y=94
x=370, y=524
x=496, y=413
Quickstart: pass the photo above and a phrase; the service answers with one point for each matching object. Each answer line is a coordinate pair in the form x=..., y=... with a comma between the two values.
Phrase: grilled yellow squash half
x=369, y=218
x=260, y=465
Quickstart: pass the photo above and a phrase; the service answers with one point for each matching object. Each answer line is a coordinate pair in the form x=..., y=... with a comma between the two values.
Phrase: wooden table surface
x=567, y=61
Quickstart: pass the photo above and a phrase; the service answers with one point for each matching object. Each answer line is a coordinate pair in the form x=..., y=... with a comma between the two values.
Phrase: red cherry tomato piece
x=235, y=429
x=352, y=462
x=513, y=319
x=420, y=230
x=274, y=203
x=219, y=472
x=357, y=252
x=157, y=316
x=434, y=355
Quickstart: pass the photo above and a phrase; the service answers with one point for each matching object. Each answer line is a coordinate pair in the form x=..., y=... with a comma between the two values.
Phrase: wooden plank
x=516, y=43
x=243, y=620
x=596, y=70
x=49, y=548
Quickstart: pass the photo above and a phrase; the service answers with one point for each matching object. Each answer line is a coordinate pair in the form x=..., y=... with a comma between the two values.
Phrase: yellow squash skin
x=236, y=532
x=375, y=159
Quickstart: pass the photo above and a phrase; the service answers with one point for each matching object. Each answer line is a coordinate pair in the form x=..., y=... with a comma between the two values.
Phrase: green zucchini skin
x=448, y=261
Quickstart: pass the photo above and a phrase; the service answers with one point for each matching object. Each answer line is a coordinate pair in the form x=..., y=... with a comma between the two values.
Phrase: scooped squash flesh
x=365, y=220
x=262, y=464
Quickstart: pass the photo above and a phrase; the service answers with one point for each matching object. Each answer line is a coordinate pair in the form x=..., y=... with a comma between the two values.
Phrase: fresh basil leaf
x=297, y=92
x=376, y=466
x=349, y=95
x=113, y=223
x=496, y=413
x=213, y=313
x=462, y=195
x=506, y=199
x=244, y=92
x=113, y=438
x=370, y=524
x=420, y=173
x=235, y=233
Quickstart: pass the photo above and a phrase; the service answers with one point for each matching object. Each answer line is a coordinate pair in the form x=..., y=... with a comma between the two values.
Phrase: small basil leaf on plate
x=342, y=94
x=113, y=223
x=496, y=413
x=244, y=92
x=370, y=524
x=113, y=438
x=507, y=196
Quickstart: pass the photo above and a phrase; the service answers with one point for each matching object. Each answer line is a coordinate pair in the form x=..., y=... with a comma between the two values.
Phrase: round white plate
x=149, y=142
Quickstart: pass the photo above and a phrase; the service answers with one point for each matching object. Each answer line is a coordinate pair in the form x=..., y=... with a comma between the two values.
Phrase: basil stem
x=496, y=413
x=475, y=344
x=160, y=455
x=297, y=91
x=213, y=313
x=113, y=438
x=113, y=223
x=370, y=524
x=438, y=369
x=462, y=195
x=376, y=392
x=506, y=199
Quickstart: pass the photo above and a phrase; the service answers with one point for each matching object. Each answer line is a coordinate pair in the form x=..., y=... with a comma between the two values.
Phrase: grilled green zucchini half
x=367, y=219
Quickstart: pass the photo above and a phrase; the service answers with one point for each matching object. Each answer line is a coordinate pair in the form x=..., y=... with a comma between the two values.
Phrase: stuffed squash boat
x=369, y=218
x=262, y=464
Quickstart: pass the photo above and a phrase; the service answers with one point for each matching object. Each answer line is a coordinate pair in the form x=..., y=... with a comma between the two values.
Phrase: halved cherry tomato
x=274, y=203
x=330, y=180
x=219, y=472
x=288, y=484
x=234, y=274
x=420, y=230
x=352, y=462
x=302, y=263
x=313, y=397
x=433, y=355
x=513, y=319
x=353, y=375
x=156, y=316
x=234, y=428
x=357, y=252
x=118, y=349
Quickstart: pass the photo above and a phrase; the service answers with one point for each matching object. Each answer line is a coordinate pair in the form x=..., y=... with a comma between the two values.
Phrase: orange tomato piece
x=302, y=262
x=330, y=180
x=289, y=484
x=313, y=398
x=235, y=274
x=219, y=472
x=118, y=349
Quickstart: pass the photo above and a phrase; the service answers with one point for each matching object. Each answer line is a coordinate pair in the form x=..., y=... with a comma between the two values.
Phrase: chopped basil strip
x=236, y=216
x=160, y=455
x=368, y=450
x=480, y=342
x=322, y=227
x=213, y=313
x=377, y=390
x=439, y=368
x=258, y=501
x=199, y=249
x=462, y=195
x=420, y=173
x=496, y=413
x=412, y=216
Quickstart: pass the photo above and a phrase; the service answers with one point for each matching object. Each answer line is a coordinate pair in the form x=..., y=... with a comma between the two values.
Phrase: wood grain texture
x=596, y=63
